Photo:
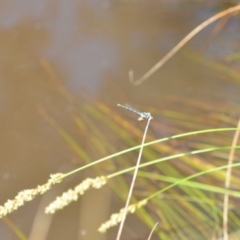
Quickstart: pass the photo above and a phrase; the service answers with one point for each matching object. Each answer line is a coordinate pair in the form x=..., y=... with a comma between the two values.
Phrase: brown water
x=89, y=46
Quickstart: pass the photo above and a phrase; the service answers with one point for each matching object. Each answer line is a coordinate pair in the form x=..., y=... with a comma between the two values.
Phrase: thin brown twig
x=181, y=44
x=227, y=183
x=133, y=180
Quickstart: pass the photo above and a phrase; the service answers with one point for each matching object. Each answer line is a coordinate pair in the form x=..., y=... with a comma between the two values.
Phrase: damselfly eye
x=140, y=119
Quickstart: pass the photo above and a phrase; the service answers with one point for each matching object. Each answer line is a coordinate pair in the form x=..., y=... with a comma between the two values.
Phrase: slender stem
x=189, y=178
x=156, y=161
x=133, y=180
x=227, y=184
x=181, y=44
x=148, y=144
x=151, y=233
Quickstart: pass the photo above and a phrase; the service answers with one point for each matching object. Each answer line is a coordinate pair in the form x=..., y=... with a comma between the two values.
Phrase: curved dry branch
x=181, y=44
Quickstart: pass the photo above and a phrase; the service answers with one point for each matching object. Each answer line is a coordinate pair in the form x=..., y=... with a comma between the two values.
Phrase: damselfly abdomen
x=143, y=115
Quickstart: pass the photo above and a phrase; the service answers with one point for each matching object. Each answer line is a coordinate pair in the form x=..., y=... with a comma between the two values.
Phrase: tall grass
x=181, y=183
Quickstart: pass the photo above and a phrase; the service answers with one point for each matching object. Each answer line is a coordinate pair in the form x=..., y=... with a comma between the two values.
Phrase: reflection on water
x=90, y=45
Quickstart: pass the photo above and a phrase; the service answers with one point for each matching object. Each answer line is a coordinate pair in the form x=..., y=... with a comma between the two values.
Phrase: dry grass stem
x=134, y=179
x=181, y=44
x=151, y=233
x=28, y=195
x=73, y=194
x=227, y=183
x=117, y=217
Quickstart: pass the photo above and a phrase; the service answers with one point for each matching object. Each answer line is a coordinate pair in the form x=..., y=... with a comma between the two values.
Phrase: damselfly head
x=140, y=119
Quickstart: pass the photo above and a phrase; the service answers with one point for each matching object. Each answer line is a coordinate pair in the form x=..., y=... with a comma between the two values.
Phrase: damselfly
x=143, y=115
